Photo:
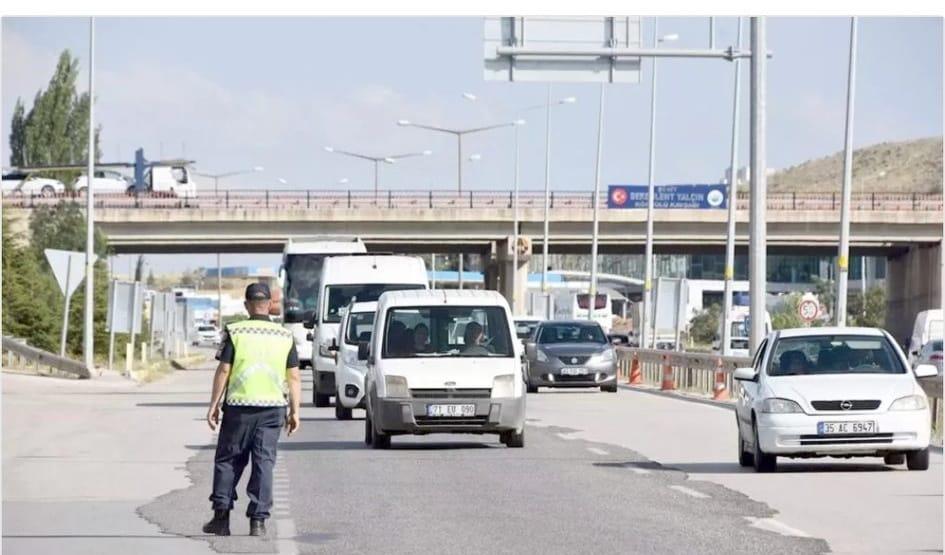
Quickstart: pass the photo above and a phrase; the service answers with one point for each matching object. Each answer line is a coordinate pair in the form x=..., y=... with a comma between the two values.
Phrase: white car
x=17, y=183
x=208, y=334
x=465, y=377
x=838, y=392
x=356, y=328
x=930, y=353
x=106, y=181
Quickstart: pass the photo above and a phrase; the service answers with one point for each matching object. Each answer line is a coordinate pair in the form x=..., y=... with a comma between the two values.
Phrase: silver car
x=564, y=353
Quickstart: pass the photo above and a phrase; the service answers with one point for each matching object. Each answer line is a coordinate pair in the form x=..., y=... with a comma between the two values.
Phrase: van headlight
x=323, y=351
x=775, y=405
x=909, y=402
x=396, y=386
x=503, y=386
x=541, y=356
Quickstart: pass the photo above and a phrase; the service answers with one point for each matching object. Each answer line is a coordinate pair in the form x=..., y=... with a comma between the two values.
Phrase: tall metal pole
x=376, y=171
x=459, y=273
x=459, y=161
x=219, y=293
x=650, y=198
x=757, y=256
x=515, y=299
x=592, y=301
x=89, y=344
x=712, y=32
x=732, y=202
x=545, y=240
x=843, y=263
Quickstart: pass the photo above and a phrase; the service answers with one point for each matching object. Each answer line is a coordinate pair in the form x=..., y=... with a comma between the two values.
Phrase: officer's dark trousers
x=247, y=431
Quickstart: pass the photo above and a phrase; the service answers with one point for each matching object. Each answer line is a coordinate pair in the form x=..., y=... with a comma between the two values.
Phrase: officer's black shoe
x=219, y=525
x=257, y=527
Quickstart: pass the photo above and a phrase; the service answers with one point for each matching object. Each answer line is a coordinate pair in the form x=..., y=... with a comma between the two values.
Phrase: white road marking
x=566, y=436
x=597, y=451
x=690, y=492
x=285, y=537
x=776, y=526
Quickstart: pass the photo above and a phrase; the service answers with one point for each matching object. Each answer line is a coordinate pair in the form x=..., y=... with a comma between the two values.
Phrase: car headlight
x=503, y=386
x=396, y=386
x=541, y=356
x=909, y=402
x=606, y=356
x=775, y=405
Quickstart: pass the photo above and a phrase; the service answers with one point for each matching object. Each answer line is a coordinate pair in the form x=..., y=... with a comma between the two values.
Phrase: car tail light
x=936, y=356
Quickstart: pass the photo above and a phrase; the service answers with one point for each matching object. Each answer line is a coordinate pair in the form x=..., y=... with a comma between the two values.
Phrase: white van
x=467, y=378
x=356, y=327
x=353, y=277
x=928, y=326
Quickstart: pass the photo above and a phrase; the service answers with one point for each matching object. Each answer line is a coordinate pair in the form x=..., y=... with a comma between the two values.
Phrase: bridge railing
x=710, y=376
x=430, y=199
x=18, y=354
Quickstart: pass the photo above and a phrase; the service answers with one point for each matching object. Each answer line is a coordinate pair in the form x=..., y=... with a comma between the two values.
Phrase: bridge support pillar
x=499, y=272
x=913, y=284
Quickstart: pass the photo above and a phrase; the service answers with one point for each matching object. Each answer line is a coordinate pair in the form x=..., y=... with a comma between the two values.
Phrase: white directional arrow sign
x=67, y=267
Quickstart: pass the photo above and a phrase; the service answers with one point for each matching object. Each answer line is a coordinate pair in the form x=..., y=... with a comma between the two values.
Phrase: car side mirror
x=309, y=320
x=925, y=371
x=745, y=374
x=364, y=350
x=333, y=348
x=309, y=336
x=530, y=349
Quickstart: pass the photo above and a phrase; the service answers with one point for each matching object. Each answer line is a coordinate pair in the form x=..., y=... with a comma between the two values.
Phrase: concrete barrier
x=17, y=352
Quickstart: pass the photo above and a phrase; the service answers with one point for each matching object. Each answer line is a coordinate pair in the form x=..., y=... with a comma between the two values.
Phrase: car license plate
x=574, y=371
x=830, y=428
x=451, y=410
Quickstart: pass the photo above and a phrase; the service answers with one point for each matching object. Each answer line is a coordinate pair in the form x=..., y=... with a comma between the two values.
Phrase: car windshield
x=447, y=331
x=339, y=296
x=206, y=328
x=360, y=326
x=524, y=328
x=834, y=354
x=570, y=333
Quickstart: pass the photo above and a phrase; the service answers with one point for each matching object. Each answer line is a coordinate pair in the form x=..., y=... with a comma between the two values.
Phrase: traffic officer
x=257, y=357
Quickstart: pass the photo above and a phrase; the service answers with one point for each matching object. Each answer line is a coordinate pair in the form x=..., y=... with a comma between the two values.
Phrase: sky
x=233, y=93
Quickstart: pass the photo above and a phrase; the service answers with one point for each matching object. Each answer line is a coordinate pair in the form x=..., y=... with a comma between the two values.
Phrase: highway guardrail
x=17, y=353
x=710, y=375
x=430, y=199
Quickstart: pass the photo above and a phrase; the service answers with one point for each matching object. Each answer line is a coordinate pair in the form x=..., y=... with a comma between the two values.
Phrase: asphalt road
x=108, y=467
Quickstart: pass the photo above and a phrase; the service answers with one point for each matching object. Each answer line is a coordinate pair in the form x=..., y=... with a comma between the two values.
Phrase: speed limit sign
x=807, y=309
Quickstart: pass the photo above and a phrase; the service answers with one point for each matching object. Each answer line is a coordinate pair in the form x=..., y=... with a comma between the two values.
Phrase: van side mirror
x=745, y=374
x=364, y=350
x=308, y=321
x=925, y=371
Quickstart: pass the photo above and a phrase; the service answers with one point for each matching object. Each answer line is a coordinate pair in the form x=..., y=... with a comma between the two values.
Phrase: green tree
x=785, y=314
x=705, y=326
x=873, y=315
x=55, y=130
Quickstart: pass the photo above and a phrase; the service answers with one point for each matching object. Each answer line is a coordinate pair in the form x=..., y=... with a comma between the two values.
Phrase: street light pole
x=459, y=163
x=376, y=160
x=843, y=266
x=757, y=256
x=545, y=239
x=515, y=299
x=89, y=331
x=592, y=302
x=650, y=197
x=732, y=213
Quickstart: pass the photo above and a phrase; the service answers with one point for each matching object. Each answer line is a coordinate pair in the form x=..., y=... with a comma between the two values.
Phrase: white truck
x=740, y=336
x=572, y=305
x=347, y=278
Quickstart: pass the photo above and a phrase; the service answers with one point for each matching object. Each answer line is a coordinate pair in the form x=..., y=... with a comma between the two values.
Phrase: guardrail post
x=872, y=201
x=793, y=200
x=349, y=198
x=833, y=201
x=431, y=198
x=511, y=200
x=227, y=199
x=914, y=201
x=390, y=200
x=267, y=198
x=470, y=199
x=308, y=199
x=551, y=203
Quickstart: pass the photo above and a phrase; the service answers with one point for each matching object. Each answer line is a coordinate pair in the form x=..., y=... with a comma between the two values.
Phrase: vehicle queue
x=422, y=361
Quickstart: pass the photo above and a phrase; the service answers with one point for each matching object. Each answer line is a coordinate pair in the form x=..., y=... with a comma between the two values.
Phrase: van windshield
x=447, y=331
x=339, y=296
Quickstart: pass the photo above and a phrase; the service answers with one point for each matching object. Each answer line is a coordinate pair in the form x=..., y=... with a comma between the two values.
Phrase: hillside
x=909, y=166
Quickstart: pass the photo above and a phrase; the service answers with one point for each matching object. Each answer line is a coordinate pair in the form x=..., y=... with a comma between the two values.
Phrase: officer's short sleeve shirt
x=227, y=352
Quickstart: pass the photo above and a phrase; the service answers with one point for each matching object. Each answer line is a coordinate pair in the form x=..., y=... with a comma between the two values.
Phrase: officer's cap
x=258, y=292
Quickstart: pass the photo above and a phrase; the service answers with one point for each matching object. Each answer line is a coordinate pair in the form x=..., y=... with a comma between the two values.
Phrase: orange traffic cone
x=669, y=383
x=636, y=373
x=719, y=391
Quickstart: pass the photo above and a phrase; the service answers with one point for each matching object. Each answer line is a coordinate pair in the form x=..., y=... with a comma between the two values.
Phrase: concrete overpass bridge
x=905, y=228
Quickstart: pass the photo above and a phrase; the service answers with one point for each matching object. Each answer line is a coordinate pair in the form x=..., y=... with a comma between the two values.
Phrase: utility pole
x=757, y=256
x=732, y=210
x=650, y=199
x=89, y=331
x=592, y=301
x=843, y=256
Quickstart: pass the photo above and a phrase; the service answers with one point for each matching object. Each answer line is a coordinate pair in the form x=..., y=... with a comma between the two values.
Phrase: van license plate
x=451, y=410
x=574, y=371
x=830, y=428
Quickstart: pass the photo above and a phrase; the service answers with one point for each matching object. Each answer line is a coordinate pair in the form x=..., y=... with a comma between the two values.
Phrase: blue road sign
x=703, y=196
